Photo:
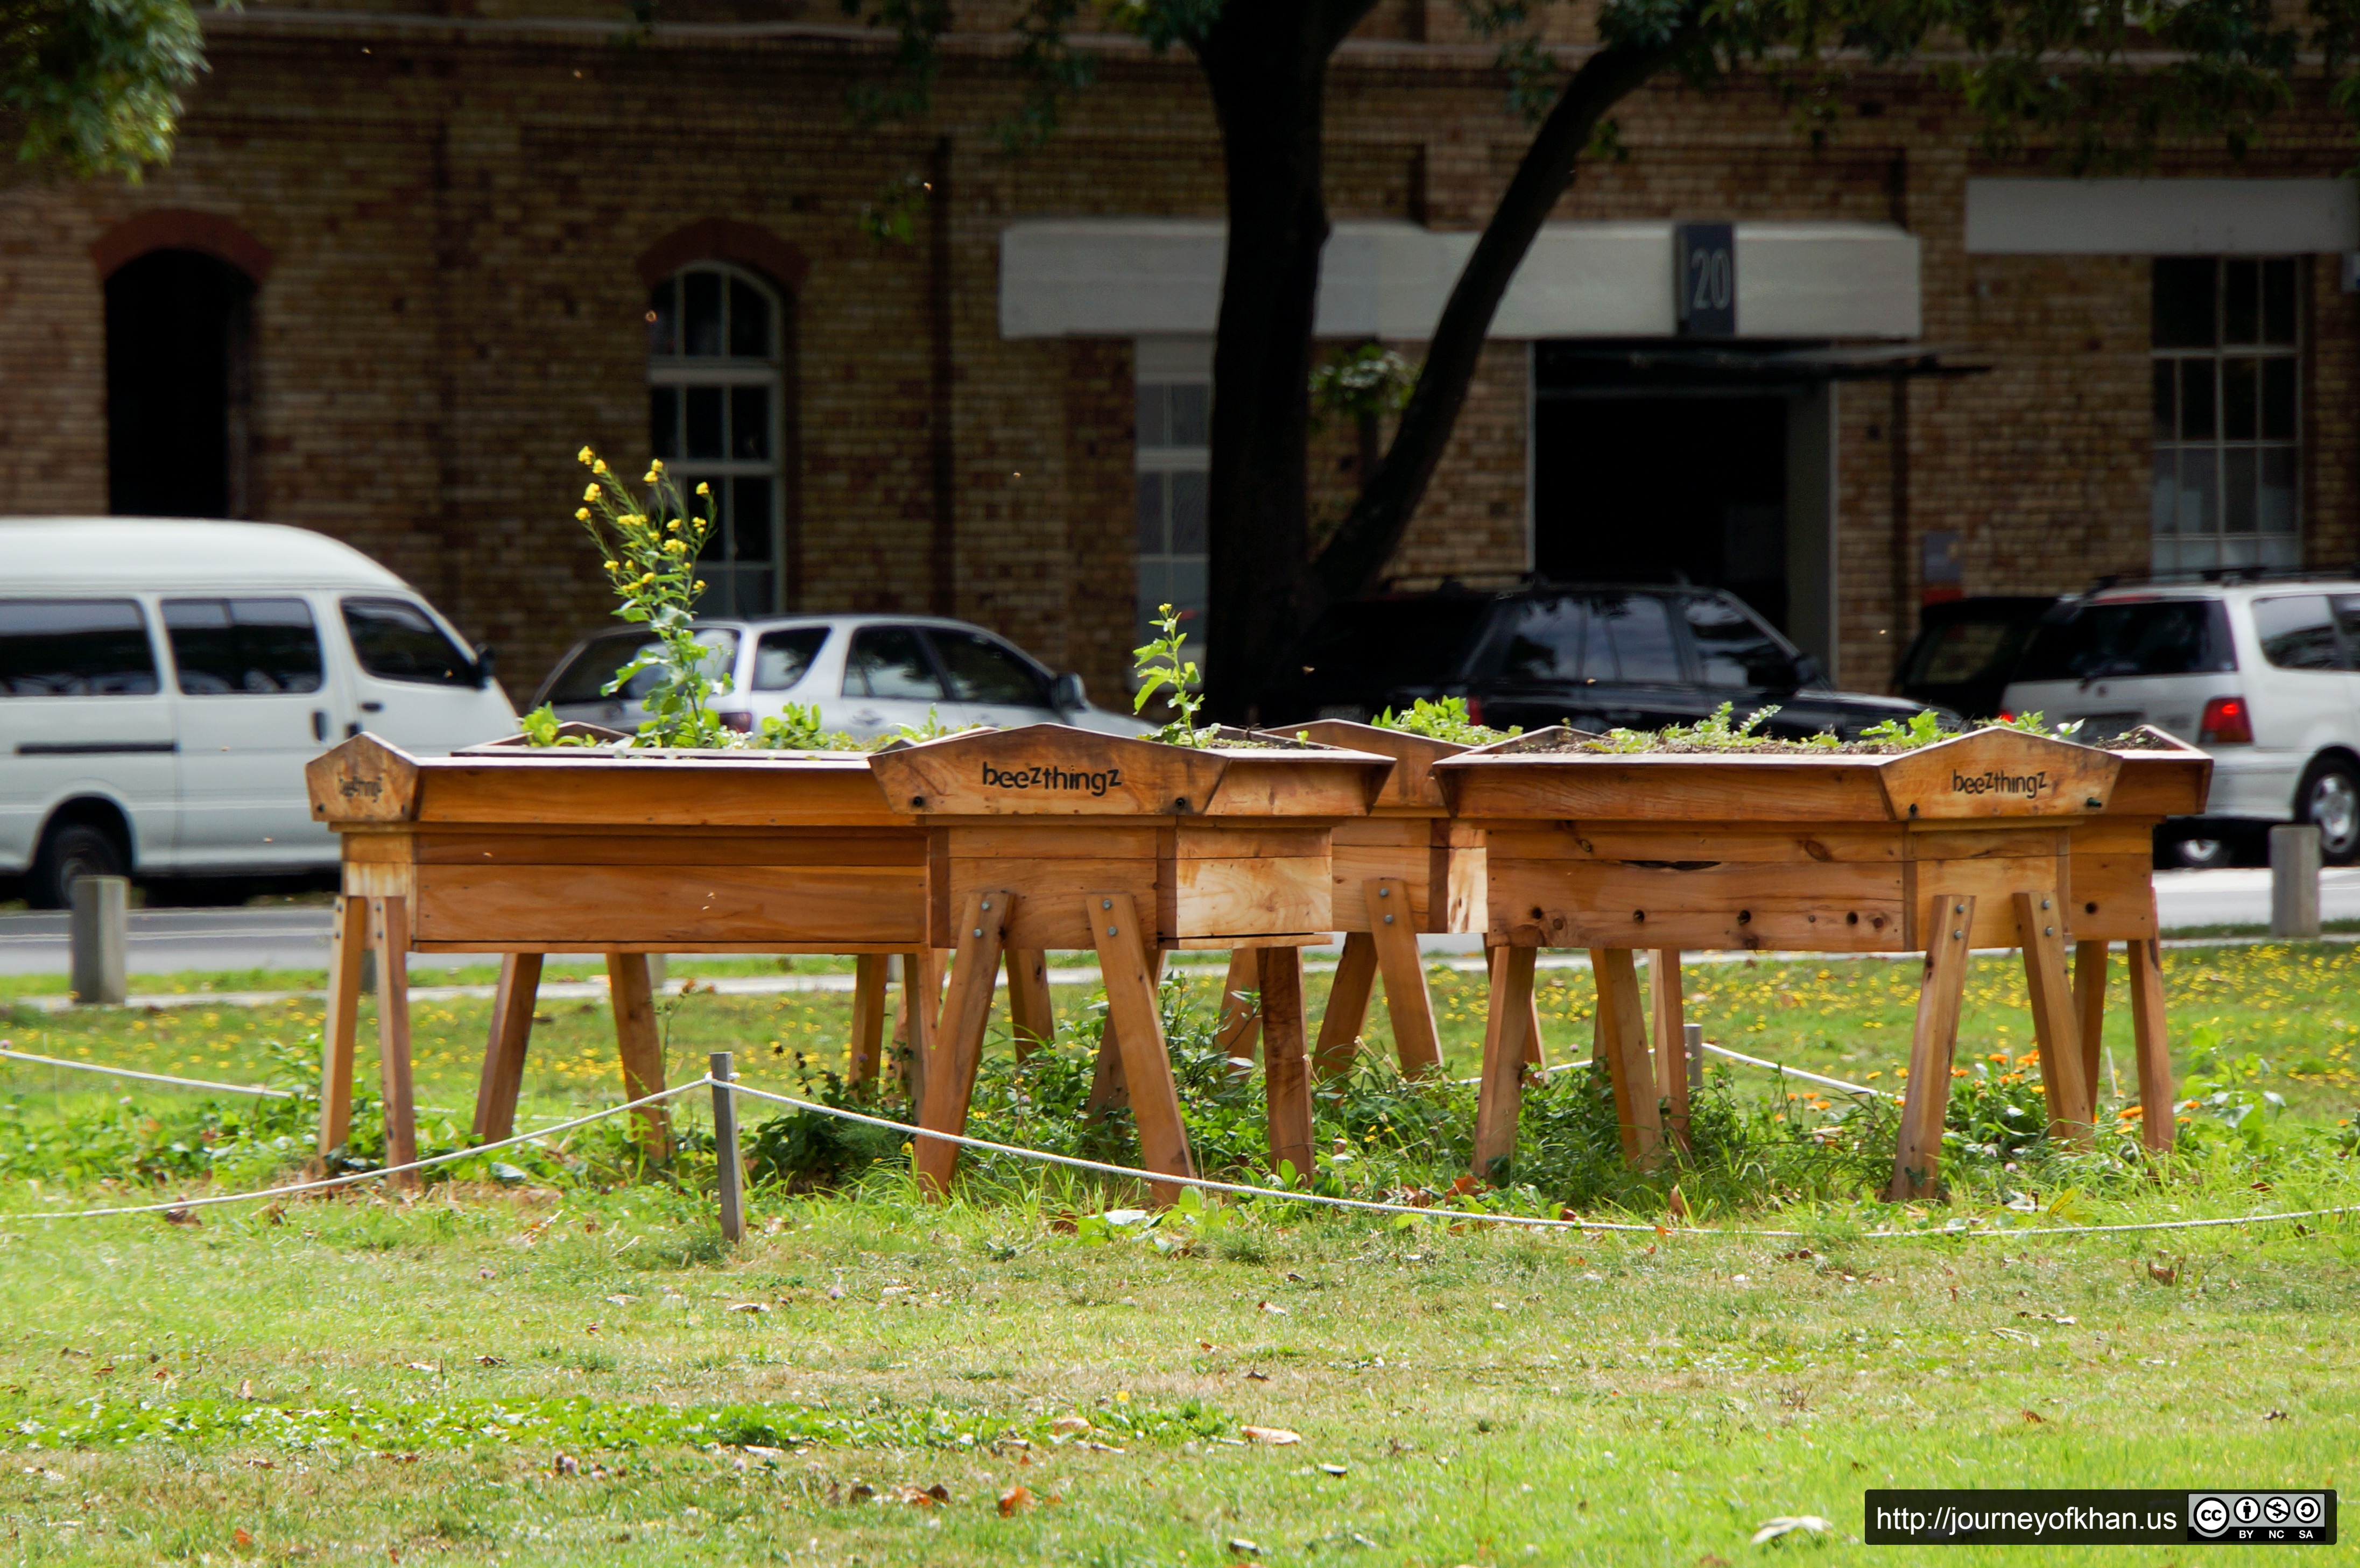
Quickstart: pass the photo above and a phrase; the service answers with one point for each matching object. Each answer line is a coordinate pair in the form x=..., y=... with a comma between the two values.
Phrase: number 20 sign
x=1705, y=280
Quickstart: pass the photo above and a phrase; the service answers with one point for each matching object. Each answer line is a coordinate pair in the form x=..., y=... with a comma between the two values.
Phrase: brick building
x=404, y=265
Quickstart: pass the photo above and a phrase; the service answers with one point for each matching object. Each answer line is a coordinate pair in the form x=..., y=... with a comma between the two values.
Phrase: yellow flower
x=699, y=588
x=673, y=526
x=612, y=567
x=600, y=466
x=590, y=494
x=583, y=515
x=703, y=489
x=586, y=455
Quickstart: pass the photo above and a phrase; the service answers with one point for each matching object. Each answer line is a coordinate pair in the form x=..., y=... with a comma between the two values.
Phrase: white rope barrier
x=147, y=1077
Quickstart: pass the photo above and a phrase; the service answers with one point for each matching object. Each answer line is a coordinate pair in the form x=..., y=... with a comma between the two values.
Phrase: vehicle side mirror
x=1065, y=693
x=1808, y=671
x=487, y=659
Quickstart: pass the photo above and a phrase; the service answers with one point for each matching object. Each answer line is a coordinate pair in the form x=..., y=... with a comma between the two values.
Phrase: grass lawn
x=574, y=1375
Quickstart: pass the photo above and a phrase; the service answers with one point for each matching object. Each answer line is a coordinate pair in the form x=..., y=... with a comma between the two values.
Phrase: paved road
x=164, y=942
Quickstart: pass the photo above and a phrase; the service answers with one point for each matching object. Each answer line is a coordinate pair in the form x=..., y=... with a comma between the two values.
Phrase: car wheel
x=2329, y=800
x=70, y=852
x=2201, y=854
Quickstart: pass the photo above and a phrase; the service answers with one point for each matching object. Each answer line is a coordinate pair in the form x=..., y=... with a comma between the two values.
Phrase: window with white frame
x=714, y=334
x=2226, y=344
x=1174, y=462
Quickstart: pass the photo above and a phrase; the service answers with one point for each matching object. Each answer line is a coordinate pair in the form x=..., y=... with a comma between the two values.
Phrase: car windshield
x=1961, y=651
x=1394, y=642
x=2124, y=637
x=587, y=674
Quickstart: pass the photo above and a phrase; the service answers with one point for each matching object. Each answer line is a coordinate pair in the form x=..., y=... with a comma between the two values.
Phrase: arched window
x=179, y=325
x=715, y=339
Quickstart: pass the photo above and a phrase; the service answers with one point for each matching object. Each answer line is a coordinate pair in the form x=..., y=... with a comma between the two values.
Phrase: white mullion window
x=1173, y=467
x=715, y=414
x=2227, y=391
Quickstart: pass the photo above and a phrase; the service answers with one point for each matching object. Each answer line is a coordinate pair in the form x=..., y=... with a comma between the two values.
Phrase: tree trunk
x=1266, y=63
x=1355, y=557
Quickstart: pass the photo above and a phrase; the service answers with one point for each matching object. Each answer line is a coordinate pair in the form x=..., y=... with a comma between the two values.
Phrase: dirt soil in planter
x=1560, y=741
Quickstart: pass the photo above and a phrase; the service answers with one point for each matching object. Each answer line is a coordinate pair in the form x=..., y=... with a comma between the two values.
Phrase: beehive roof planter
x=1054, y=837
x=1408, y=852
x=1940, y=849
x=526, y=852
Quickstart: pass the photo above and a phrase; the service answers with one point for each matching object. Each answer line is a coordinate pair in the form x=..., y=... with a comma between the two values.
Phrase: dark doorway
x=178, y=325
x=1640, y=488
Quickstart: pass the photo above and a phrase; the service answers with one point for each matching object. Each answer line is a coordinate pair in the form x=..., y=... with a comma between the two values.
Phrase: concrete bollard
x=2294, y=881
x=656, y=971
x=101, y=922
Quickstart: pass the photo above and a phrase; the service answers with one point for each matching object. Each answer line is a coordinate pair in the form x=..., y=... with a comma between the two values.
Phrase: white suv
x=2264, y=674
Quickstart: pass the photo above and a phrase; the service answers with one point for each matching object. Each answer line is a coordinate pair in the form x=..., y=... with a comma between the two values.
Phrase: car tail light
x=1474, y=709
x=2005, y=717
x=731, y=719
x=2226, y=720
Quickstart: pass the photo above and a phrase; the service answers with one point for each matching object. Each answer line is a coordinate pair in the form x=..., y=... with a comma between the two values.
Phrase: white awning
x=1158, y=277
x=2162, y=217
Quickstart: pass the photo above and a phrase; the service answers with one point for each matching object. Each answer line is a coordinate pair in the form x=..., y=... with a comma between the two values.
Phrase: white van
x=163, y=682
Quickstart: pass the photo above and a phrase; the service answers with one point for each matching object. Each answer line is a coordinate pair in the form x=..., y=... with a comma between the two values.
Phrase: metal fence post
x=728, y=1174
x=2294, y=880
x=100, y=924
x=1692, y=1045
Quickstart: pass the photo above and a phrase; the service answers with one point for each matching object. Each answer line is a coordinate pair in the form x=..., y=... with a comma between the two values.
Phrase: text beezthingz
x=1045, y=776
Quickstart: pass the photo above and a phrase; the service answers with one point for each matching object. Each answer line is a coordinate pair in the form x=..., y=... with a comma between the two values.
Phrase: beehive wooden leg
x=1031, y=1020
x=1286, y=1071
x=340, y=1034
x=2089, y=959
x=1240, y=1007
x=1137, y=1025
x=503, y=1078
x=1502, y=1096
x=631, y=989
x=1533, y=1055
x=1107, y=1089
x=1348, y=1007
x=1665, y=1014
x=1638, y=1105
x=1407, y=1001
x=2148, y=1031
x=1932, y=1044
x=959, y=1044
x=914, y=1039
x=2055, y=1028
x=389, y=933
x=868, y=1018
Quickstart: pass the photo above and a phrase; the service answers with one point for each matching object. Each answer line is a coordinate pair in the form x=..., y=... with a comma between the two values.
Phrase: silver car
x=869, y=675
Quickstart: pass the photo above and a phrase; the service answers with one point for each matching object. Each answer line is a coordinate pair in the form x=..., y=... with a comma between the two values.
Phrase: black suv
x=1595, y=655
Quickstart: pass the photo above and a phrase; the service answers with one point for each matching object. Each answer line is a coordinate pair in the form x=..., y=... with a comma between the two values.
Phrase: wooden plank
x=1665, y=1017
x=1638, y=1104
x=1411, y=786
x=1048, y=838
x=1132, y=1014
x=639, y=1047
x=1047, y=769
x=390, y=933
x=2056, y=1028
x=867, y=1019
x=574, y=907
x=1286, y=1074
x=1108, y=1091
x=2161, y=784
x=1485, y=788
x=1408, y=865
x=958, y=1045
x=366, y=844
x=2089, y=959
x=1240, y=1007
x=1457, y=867
x=1993, y=884
x=1792, y=843
x=1032, y=1017
x=1298, y=784
x=745, y=847
x=381, y=879
x=1348, y=1007
x=2151, y=1035
x=1408, y=835
x=1050, y=895
x=1998, y=773
x=2113, y=833
x=1193, y=840
x=340, y=1030
x=504, y=1051
x=1248, y=897
x=1407, y=1001
x=1846, y=908
x=1933, y=1042
x=747, y=790
x=1534, y=1056
x=1501, y=1098
x=2106, y=896
x=914, y=1023
x=362, y=781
